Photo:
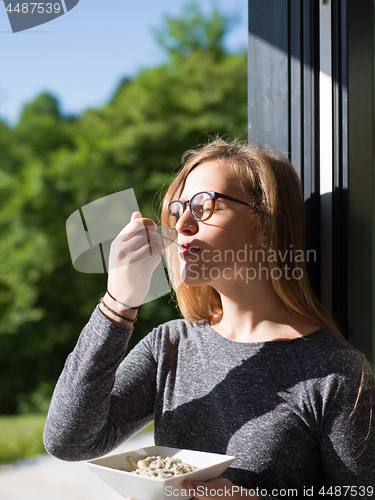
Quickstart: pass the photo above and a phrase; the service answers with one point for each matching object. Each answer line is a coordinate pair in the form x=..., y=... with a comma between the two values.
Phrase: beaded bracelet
x=117, y=314
x=125, y=305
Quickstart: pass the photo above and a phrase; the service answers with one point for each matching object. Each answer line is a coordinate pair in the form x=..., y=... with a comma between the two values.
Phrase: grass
x=21, y=436
x=148, y=428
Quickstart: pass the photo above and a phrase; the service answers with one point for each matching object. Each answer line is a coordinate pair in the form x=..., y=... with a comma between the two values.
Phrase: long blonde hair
x=275, y=188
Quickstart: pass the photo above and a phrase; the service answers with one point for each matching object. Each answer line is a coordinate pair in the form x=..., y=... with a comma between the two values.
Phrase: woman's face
x=223, y=248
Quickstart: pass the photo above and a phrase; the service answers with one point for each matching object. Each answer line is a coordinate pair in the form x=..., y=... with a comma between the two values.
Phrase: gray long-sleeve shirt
x=282, y=408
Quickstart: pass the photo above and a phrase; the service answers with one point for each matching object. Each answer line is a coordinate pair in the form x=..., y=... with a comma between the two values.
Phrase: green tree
x=194, y=32
x=53, y=165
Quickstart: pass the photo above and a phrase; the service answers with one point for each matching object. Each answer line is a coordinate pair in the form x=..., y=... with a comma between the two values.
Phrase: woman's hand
x=215, y=489
x=134, y=255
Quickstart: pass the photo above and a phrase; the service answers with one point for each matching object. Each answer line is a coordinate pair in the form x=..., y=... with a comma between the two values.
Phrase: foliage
x=51, y=165
x=193, y=32
x=21, y=437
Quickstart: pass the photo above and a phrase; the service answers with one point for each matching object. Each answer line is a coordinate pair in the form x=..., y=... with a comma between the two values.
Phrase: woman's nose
x=186, y=224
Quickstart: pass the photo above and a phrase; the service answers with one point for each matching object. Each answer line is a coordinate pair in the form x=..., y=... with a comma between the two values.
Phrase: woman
x=257, y=369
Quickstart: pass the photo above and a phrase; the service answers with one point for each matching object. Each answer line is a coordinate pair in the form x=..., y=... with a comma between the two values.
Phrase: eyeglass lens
x=200, y=206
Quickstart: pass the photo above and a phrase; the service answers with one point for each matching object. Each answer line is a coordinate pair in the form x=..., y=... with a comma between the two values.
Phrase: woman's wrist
x=117, y=313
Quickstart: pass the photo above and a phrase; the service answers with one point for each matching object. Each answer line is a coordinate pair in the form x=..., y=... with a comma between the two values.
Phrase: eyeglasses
x=201, y=205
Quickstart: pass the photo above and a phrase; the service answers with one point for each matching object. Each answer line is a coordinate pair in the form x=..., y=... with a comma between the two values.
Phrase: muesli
x=157, y=466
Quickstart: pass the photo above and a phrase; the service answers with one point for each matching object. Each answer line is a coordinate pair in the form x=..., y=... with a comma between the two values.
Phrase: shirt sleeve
x=91, y=412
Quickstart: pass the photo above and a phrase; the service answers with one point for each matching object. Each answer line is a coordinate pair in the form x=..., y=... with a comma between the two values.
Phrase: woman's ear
x=263, y=238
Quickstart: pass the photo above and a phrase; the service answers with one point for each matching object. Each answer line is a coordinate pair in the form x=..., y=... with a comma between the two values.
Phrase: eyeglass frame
x=214, y=196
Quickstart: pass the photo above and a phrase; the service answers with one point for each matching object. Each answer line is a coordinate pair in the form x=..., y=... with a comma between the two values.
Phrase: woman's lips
x=187, y=250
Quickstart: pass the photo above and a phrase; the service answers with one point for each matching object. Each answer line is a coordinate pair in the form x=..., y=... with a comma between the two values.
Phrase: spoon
x=168, y=239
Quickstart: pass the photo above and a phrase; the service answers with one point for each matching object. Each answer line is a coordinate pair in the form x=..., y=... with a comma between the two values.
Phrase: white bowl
x=209, y=466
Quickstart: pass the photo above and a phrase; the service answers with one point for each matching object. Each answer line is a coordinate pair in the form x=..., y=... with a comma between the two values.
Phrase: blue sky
x=81, y=56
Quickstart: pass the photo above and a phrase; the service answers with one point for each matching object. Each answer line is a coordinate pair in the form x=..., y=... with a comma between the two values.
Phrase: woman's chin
x=192, y=277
